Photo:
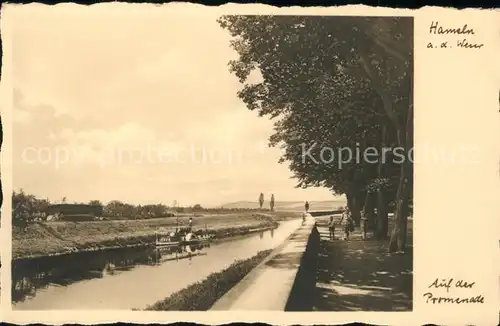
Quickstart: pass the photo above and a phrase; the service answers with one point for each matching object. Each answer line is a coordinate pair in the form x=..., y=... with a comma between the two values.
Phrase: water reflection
x=177, y=253
x=31, y=275
x=129, y=278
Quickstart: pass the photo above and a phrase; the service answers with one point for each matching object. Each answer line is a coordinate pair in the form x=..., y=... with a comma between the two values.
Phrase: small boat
x=180, y=238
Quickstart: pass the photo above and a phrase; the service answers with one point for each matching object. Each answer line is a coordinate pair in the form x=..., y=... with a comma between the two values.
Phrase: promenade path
x=359, y=275
x=283, y=281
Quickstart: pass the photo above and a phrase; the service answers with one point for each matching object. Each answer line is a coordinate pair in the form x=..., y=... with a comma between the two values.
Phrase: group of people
x=346, y=222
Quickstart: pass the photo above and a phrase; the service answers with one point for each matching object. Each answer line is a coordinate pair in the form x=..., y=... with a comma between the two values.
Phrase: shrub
x=202, y=295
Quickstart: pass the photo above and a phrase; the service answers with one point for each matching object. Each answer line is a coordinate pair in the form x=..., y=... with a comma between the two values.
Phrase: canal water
x=129, y=278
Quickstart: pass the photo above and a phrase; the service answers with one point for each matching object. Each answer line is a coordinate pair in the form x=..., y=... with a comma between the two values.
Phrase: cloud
x=128, y=134
x=93, y=82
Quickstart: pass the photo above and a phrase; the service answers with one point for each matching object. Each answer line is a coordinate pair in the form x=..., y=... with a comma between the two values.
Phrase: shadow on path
x=360, y=275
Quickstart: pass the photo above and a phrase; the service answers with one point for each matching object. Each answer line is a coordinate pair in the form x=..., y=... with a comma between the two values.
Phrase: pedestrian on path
x=331, y=228
x=346, y=223
x=307, y=207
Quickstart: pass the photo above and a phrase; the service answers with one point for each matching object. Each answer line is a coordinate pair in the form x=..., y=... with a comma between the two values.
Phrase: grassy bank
x=53, y=238
x=202, y=295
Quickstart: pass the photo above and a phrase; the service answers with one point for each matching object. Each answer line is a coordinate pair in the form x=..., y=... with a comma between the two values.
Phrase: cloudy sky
x=136, y=105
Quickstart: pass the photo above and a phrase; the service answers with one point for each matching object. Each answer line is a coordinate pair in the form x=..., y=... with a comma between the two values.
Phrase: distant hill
x=290, y=205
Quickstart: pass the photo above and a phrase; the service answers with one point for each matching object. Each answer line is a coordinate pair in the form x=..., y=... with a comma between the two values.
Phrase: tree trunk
x=405, y=222
x=352, y=203
x=360, y=203
x=399, y=232
x=398, y=236
x=382, y=217
x=397, y=242
x=369, y=211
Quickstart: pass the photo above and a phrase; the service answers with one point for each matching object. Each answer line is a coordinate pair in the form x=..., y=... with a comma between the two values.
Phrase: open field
x=291, y=206
x=52, y=238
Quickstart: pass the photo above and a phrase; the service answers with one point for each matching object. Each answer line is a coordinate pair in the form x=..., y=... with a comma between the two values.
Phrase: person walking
x=307, y=207
x=331, y=228
x=346, y=223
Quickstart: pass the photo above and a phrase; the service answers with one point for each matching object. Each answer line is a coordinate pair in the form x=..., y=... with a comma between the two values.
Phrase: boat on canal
x=181, y=237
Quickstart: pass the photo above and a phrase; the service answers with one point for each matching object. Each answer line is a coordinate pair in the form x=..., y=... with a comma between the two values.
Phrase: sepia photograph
x=211, y=162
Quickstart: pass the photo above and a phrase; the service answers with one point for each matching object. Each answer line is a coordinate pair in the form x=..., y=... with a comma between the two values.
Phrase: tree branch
x=389, y=49
x=388, y=107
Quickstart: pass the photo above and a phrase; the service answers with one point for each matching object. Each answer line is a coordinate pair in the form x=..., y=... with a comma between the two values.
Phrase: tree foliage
x=95, y=202
x=27, y=208
x=331, y=83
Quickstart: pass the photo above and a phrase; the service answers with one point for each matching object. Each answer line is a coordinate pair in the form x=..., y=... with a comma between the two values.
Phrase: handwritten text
x=448, y=284
x=436, y=29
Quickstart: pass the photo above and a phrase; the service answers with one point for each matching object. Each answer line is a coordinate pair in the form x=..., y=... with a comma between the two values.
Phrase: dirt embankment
x=54, y=238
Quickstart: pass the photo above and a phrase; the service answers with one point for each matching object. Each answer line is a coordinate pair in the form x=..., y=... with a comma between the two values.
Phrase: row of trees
x=336, y=83
x=27, y=209
x=271, y=202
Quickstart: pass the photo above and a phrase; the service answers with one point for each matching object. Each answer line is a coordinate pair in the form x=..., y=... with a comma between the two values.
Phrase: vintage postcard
x=250, y=163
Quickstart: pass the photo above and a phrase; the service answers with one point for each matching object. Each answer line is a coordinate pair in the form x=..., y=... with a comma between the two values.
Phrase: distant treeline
x=28, y=208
